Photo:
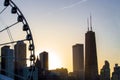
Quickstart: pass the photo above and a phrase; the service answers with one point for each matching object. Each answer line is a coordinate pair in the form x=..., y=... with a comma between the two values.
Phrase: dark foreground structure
x=91, y=65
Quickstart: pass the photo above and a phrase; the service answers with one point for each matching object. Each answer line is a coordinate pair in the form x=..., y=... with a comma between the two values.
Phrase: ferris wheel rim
x=31, y=41
x=29, y=36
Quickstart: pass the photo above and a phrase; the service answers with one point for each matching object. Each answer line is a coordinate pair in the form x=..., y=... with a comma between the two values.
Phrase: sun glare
x=54, y=61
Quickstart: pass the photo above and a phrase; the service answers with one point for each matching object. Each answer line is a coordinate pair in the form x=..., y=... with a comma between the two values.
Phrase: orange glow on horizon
x=54, y=61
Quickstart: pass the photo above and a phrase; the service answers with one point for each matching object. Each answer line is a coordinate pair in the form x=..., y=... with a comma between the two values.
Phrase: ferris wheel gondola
x=25, y=28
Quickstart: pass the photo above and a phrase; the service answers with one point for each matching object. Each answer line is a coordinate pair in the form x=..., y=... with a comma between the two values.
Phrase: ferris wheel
x=13, y=28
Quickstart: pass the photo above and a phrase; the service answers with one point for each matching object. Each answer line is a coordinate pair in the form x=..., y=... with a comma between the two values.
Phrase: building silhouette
x=7, y=64
x=116, y=73
x=78, y=61
x=38, y=63
x=38, y=66
x=91, y=65
x=62, y=74
x=105, y=71
x=44, y=60
x=20, y=58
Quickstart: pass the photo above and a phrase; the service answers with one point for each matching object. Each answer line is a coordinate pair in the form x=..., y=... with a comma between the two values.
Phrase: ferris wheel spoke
x=12, y=42
x=8, y=27
x=3, y=10
x=10, y=35
x=29, y=38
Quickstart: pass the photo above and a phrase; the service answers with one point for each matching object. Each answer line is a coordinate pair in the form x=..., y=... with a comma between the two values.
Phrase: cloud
x=74, y=4
x=66, y=7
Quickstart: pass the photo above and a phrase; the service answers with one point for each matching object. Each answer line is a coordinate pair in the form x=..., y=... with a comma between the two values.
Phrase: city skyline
x=57, y=25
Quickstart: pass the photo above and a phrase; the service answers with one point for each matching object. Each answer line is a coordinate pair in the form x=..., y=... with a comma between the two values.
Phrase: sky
x=57, y=25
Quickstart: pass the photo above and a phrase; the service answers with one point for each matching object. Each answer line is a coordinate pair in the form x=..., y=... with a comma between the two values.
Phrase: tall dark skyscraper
x=20, y=58
x=7, y=64
x=105, y=71
x=44, y=60
x=78, y=61
x=91, y=65
x=116, y=73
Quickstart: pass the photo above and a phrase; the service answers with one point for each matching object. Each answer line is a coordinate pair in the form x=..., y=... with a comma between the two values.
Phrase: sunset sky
x=57, y=25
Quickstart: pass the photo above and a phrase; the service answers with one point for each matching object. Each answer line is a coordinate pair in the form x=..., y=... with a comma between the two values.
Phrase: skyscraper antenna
x=90, y=21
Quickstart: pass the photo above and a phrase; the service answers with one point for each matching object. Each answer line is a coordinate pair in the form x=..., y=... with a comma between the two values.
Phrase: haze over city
x=58, y=24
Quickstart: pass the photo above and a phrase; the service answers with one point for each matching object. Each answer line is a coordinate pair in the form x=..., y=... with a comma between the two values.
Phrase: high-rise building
x=78, y=61
x=44, y=60
x=116, y=73
x=20, y=58
x=105, y=71
x=7, y=64
x=38, y=63
x=91, y=64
